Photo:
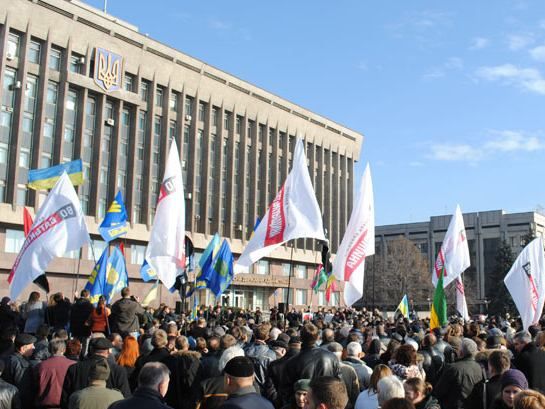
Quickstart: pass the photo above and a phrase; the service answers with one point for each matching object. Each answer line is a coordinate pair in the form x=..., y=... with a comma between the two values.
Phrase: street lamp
x=429, y=303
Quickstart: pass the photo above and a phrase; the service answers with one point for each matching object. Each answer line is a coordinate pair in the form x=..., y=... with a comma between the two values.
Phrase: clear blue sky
x=449, y=95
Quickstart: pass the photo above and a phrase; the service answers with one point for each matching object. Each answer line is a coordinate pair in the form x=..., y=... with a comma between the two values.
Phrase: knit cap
x=514, y=377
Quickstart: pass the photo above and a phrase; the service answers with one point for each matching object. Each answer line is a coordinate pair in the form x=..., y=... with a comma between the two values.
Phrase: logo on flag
x=95, y=284
x=276, y=222
x=114, y=224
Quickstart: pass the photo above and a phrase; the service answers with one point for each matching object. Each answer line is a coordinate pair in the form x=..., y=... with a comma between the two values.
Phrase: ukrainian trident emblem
x=107, y=70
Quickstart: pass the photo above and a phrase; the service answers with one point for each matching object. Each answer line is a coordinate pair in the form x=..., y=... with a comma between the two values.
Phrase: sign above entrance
x=108, y=70
x=259, y=280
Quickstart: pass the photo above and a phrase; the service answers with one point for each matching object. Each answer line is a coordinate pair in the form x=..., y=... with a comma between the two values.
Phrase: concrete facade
x=235, y=141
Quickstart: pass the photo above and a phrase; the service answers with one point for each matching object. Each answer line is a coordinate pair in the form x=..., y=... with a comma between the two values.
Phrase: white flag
x=358, y=242
x=59, y=227
x=454, y=252
x=293, y=214
x=526, y=282
x=166, y=248
x=461, y=304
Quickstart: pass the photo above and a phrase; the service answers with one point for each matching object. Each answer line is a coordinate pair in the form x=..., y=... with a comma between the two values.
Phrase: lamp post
x=429, y=303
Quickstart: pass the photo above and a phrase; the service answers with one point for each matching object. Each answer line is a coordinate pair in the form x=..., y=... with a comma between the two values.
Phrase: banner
x=461, y=304
x=59, y=227
x=453, y=257
x=403, y=306
x=526, y=282
x=95, y=284
x=293, y=214
x=358, y=242
x=46, y=178
x=116, y=275
x=166, y=248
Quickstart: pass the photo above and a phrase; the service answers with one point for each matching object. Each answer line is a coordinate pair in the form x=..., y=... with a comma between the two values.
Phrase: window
x=144, y=90
x=21, y=195
x=239, y=125
x=300, y=297
x=14, y=241
x=97, y=247
x=215, y=116
x=172, y=129
x=188, y=108
x=159, y=96
x=3, y=153
x=45, y=161
x=76, y=63
x=128, y=82
x=202, y=111
x=300, y=271
x=13, y=46
x=101, y=208
x=263, y=267
x=24, y=158
x=34, y=51
x=138, y=253
x=227, y=120
x=55, y=59
x=173, y=101
x=321, y=297
x=335, y=299
x=70, y=116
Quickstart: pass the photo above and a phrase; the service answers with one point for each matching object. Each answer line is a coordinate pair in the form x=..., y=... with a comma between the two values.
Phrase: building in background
x=485, y=231
x=78, y=83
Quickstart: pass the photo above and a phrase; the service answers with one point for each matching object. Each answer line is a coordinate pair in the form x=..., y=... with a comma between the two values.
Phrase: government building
x=79, y=83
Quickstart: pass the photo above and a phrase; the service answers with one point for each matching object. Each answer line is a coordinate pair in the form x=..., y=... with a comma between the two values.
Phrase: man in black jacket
x=530, y=360
x=312, y=362
x=487, y=391
x=124, y=317
x=18, y=371
x=9, y=394
x=459, y=378
x=79, y=313
x=77, y=376
x=153, y=384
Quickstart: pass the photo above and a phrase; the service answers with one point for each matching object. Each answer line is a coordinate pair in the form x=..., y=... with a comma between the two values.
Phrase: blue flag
x=147, y=273
x=206, y=260
x=114, y=224
x=43, y=179
x=116, y=275
x=97, y=278
x=220, y=273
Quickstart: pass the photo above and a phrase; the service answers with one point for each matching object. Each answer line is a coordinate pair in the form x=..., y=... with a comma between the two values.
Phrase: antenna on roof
x=105, y=6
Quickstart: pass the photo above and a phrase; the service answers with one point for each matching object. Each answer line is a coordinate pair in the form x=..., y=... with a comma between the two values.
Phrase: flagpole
x=289, y=278
x=77, y=271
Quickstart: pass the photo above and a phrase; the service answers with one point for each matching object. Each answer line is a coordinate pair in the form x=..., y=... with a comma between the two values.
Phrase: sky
x=450, y=96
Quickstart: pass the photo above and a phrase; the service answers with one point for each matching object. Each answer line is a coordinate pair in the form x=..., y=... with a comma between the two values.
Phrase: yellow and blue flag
x=46, y=178
x=95, y=285
x=403, y=306
x=116, y=275
x=114, y=224
x=219, y=274
x=146, y=272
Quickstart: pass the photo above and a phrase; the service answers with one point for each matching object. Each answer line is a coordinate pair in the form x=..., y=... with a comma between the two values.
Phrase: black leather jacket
x=9, y=396
x=310, y=363
x=261, y=355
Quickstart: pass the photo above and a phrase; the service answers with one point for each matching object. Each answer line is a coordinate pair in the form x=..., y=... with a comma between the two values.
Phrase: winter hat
x=514, y=377
x=239, y=367
x=302, y=385
x=100, y=371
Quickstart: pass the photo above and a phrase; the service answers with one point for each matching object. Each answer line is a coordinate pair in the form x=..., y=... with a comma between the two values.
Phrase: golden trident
x=108, y=73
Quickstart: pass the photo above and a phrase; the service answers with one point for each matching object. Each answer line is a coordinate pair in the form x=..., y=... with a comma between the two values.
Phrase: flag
x=114, y=224
x=46, y=178
x=358, y=242
x=526, y=282
x=293, y=214
x=438, y=314
x=59, y=227
x=461, y=304
x=95, y=284
x=166, y=248
x=453, y=257
x=27, y=221
x=206, y=260
x=41, y=280
x=256, y=225
x=116, y=275
x=146, y=272
x=330, y=287
x=193, y=315
x=219, y=274
x=403, y=306
x=151, y=295
x=320, y=277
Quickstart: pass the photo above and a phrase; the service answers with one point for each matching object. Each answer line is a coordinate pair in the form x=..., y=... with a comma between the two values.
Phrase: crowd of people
x=74, y=354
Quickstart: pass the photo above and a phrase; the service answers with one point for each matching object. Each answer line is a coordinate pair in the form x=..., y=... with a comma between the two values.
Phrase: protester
x=419, y=393
x=51, y=374
x=458, y=379
x=124, y=316
x=368, y=399
x=153, y=382
x=398, y=403
x=18, y=371
x=513, y=381
x=301, y=388
x=128, y=356
x=529, y=399
x=98, y=319
x=389, y=387
x=10, y=397
x=327, y=392
x=488, y=390
x=403, y=364
x=33, y=313
x=348, y=374
x=58, y=312
x=96, y=395
x=530, y=360
x=353, y=355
